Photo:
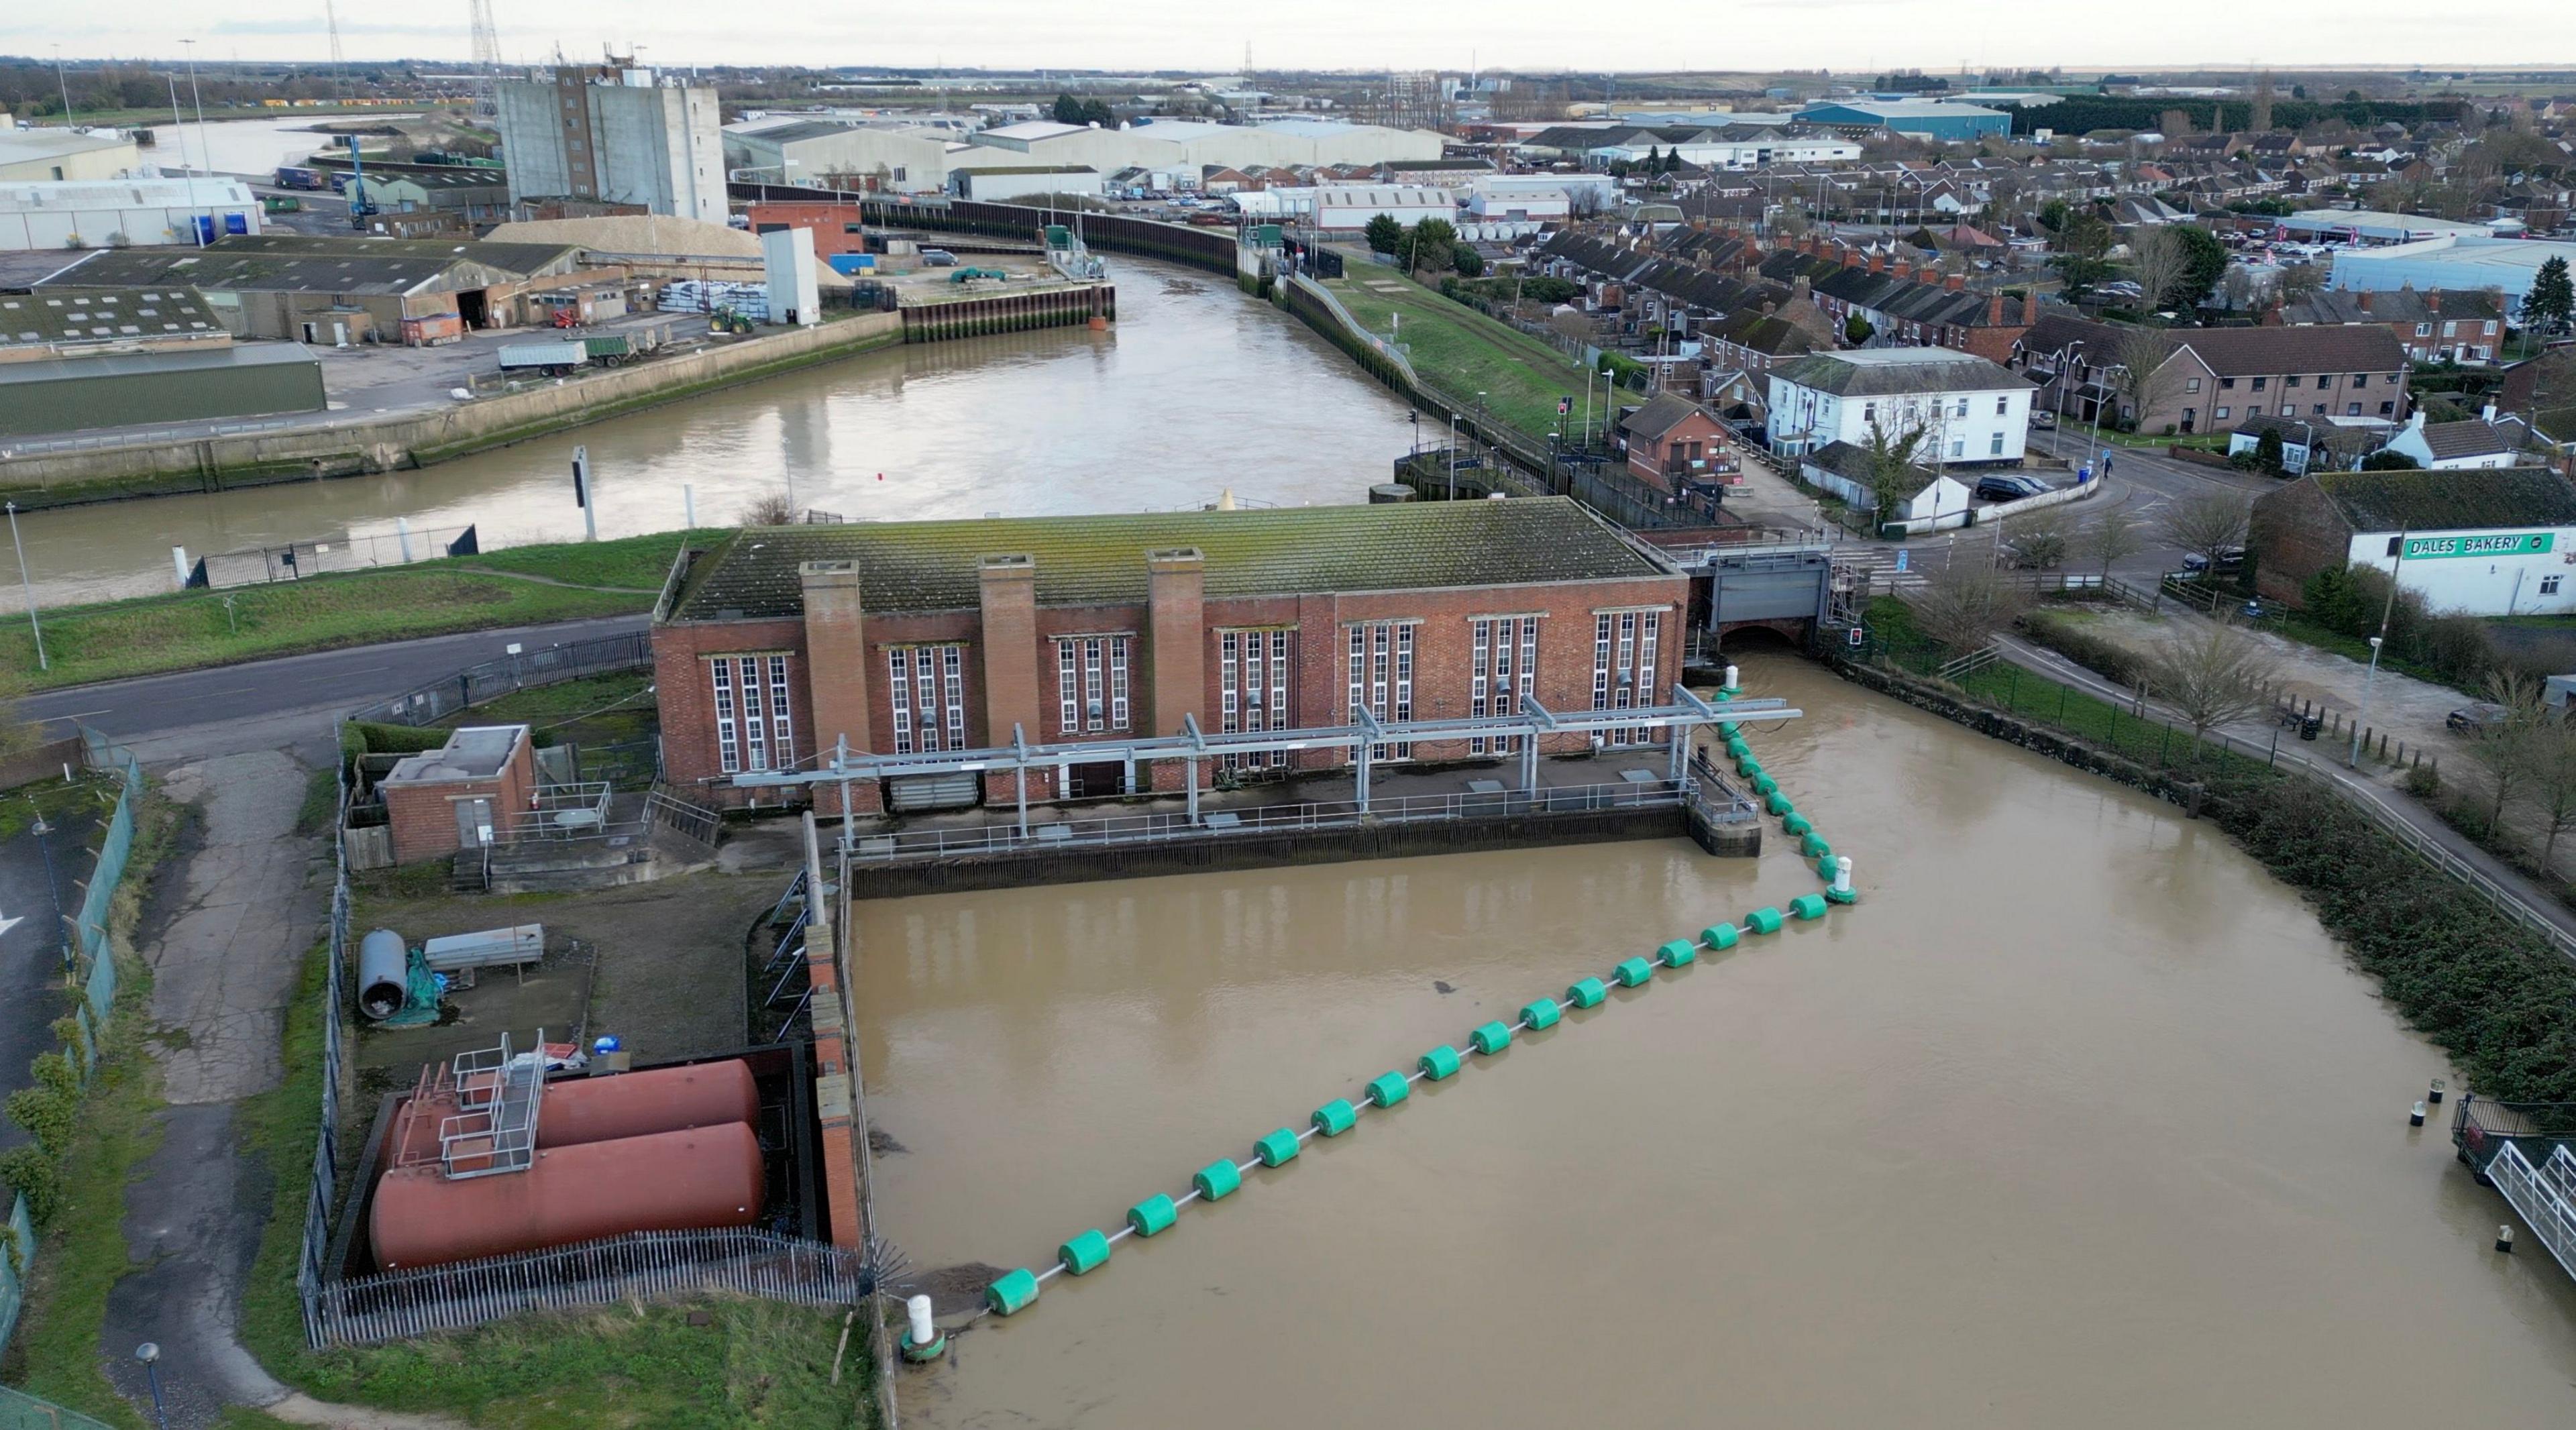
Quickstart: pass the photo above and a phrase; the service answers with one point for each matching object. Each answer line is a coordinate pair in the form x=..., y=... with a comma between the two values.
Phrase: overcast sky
x=1343, y=34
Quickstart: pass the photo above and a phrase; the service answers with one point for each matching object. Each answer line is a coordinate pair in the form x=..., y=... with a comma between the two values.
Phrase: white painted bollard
x=923, y=1333
x=2416, y=1117
x=2504, y=1239
x=1730, y=678
x=1842, y=876
x=179, y=565
x=402, y=538
x=688, y=508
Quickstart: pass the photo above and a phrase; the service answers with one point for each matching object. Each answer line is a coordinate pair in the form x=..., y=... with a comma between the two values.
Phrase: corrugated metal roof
x=104, y=315
x=2474, y=500
x=1881, y=372
x=931, y=565
x=120, y=364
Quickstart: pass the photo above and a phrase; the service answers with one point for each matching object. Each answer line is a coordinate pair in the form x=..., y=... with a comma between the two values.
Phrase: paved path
x=247, y=906
x=2360, y=787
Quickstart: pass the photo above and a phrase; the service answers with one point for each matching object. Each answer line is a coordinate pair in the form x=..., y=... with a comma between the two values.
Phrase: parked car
x=2474, y=719
x=2042, y=418
x=2004, y=486
x=2229, y=559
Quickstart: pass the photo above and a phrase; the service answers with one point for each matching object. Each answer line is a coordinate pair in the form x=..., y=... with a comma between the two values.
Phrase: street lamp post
x=150, y=1355
x=2353, y=759
x=29, y=587
x=65, y=85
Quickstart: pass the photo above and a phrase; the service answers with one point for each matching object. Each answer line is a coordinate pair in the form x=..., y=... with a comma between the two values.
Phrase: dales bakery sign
x=2511, y=543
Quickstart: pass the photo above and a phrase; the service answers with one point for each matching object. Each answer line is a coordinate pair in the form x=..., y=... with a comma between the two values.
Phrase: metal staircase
x=2545, y=1195
x=494, y=1129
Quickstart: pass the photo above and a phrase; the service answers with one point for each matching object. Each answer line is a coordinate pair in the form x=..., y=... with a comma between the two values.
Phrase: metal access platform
x=498, y=1094
x=2526, y=1151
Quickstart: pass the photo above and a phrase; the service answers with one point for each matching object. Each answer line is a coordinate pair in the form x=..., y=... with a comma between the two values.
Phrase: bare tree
x=1966, y=602
x=2039, y=541
x=2553, y=781
x=2113, y=535
x=768, y=509
x=2213, y=675
x=2210, y=525
x=2157, y=262
x=2505, y=745
x=2143, y=376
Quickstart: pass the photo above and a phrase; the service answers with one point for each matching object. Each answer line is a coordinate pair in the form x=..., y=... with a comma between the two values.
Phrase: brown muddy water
x=1198, y=390
x=2078, y=1119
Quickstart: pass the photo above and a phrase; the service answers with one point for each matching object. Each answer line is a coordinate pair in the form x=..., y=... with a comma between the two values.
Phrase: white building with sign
x=2496, y=542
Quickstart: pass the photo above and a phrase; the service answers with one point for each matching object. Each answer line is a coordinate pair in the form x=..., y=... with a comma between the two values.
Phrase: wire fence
x=361, y=1310
x=95, y=973
x=301, y=560
x=21, y=1411
x=428, y=704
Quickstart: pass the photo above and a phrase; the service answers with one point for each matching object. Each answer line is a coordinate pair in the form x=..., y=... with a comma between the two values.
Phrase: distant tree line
x=2081, y=114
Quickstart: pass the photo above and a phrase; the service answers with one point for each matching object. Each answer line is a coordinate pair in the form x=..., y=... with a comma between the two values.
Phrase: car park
x=2229, y=559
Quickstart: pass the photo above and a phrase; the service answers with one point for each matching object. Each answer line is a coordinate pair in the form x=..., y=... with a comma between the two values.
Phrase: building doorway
x=1095, y=781
x=473, y=308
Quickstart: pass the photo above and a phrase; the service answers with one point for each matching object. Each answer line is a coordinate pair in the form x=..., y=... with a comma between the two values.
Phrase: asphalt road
x=2146, y=484
x=241, y=698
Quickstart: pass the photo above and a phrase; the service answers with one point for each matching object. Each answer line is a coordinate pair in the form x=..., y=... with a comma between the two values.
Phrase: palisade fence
x=323, y=1192
x=475, y=684
x=94, y=968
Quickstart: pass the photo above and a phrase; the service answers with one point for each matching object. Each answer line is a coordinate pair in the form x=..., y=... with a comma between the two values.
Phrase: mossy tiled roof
x=1083, y=560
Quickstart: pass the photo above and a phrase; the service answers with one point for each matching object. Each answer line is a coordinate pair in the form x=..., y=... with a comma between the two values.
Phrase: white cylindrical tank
x=384, y=974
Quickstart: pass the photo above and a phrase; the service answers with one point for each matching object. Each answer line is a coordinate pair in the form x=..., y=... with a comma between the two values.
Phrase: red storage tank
x=603, y=1109
x=665, y=1181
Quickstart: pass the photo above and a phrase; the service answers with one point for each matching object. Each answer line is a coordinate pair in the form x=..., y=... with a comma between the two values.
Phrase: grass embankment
x=2496, y=996
x=153, y=635
x=1464, y=352
x=716, y=1363
x=81, y=1252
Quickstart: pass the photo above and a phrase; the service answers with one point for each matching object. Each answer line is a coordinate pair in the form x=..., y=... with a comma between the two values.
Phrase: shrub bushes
x=2496, y=995
x=2079, y=645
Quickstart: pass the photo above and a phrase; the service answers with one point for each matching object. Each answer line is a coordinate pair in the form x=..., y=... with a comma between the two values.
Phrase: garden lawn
x=1464, y=352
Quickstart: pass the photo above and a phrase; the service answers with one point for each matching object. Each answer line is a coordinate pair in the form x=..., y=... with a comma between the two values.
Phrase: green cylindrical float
x=1084, y=1253
x=1736, y=749
x=1440, y=1062
x=1763, y=920
x=1778, y=803
x=1765, y=785
x=1826, y=866
x=1748, y=766
x=1153, y=1214
x=1336, y=1117
x=1808, y=906
x=1541, y=1013
x=1728, y=728
x=1813, y=845
x=1276, y=1148
x=1719, y=935
x=1012, y=1293
x=1633, y=972
x=1794, y=824
x=1677, y=953
x=1587, y=994
x=1217, y=1180
x=1388, y=1089
x=1491, y=1038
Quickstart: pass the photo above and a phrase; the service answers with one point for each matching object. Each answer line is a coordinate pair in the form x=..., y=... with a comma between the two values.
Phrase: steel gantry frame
x=1192, y=744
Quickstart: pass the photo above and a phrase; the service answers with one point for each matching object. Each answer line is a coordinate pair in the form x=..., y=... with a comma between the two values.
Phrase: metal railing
x=428, y=704
x=145, y=437
x=361, y=1310
x=1273, y=818
x=2545, y=1195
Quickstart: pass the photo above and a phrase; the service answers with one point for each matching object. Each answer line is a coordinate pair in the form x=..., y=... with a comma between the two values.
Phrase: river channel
x=1197, y=390
x=2077, y=1119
